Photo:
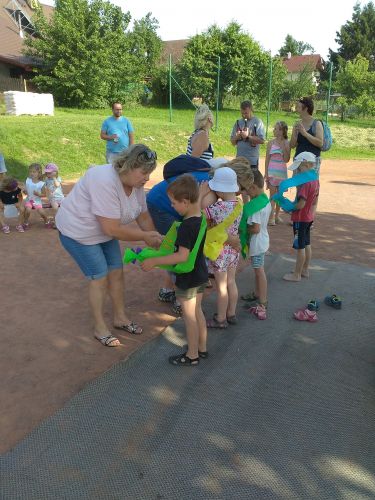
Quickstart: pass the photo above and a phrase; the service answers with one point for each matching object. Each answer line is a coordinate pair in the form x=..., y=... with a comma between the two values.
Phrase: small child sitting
x=303, y=216
x=11, y=194
x=34, y=190
x=258, y=246
x=185, y=199
x=53, y=187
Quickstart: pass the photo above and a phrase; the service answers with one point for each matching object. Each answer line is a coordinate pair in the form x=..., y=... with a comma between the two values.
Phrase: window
x=19, y=17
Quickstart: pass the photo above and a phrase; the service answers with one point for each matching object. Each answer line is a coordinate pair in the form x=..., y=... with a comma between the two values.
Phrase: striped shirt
x=277, y=170
x=206, y=155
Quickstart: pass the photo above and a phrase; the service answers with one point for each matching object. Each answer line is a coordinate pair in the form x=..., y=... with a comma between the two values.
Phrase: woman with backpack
x=308, y=133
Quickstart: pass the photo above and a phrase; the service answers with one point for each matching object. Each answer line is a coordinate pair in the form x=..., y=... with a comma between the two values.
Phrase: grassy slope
x=71, y=137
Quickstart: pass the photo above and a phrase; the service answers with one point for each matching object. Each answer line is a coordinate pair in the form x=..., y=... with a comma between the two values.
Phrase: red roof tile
x=295, y=64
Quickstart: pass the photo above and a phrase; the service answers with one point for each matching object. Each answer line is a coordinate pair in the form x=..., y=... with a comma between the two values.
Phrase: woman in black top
x=307, y=133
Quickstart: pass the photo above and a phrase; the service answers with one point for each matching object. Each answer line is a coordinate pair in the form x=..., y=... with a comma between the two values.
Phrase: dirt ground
x=48, y=352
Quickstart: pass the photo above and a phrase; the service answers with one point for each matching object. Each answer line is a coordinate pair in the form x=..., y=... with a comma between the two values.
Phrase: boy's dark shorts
x=301, y=231
x=190, y=293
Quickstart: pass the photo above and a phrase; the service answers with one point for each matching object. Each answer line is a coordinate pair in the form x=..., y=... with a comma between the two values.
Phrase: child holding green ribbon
x=185, y=199
x=254, y=222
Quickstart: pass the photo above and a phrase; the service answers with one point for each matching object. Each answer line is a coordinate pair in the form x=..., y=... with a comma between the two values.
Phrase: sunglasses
x=148, y=155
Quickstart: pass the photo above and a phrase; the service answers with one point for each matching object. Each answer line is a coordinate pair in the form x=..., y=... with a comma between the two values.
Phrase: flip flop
x=132, y=328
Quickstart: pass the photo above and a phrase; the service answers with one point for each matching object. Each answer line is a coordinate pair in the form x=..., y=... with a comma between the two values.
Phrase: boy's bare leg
x=190, y=320
x=305, y=269
x=232, y=291
x=300, y=261
x=202, y=325
x=221, y=280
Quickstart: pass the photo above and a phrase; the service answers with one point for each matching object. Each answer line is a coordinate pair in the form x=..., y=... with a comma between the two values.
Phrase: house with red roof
x=295, y=65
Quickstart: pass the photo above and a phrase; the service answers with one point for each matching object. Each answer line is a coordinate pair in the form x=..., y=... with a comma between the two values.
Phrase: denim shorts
x=257, y=261
x=95, y=261
x=162, y=220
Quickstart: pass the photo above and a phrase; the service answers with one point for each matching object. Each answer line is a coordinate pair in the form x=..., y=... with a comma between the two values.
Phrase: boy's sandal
x=232, y=320
x=108, y=341
x=249, y=297
x=214, y=323
x=313, y=305
x=132, y=328
x=203, y=354
x=183, y=360
x=333, y=301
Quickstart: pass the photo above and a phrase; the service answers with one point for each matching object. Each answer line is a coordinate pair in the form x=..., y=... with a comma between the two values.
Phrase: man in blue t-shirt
x=118, y=132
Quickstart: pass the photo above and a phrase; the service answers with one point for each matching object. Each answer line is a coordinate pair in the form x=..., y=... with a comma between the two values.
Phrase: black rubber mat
x=280, y=410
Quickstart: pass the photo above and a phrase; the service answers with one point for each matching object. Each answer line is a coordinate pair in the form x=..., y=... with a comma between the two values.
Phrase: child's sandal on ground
x=306, y=315
x=183, y=360
x=132, y=328
x=333, y=301
x=214, y=323
x=313, y=305
x=108, y=341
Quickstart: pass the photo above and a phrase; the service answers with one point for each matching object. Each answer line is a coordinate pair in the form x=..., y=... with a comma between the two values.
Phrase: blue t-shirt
x=158, y=197
x=120, y=126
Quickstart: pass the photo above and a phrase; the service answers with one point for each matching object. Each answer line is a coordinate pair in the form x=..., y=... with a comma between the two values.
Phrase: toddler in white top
x=53, y=184
x=34, y=190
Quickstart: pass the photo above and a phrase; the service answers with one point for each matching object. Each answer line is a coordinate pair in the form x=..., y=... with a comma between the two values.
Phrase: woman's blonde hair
x=136, y=156
x=202, y=115
x=241, y=166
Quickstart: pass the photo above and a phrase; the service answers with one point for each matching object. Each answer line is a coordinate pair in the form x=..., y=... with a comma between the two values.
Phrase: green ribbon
x=167, y=248
x=250, y=208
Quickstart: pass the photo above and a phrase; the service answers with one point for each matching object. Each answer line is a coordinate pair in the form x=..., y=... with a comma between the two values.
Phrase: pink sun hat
x=50, y=167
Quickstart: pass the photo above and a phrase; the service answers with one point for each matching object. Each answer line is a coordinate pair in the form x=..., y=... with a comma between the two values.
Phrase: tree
x=358, y=35
x=244, y=65
x=357, y=84
x=87, y=56
x=301, y=85
x=294, y=47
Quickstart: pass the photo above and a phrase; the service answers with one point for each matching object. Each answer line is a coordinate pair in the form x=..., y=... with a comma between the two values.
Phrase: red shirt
x=309, y=192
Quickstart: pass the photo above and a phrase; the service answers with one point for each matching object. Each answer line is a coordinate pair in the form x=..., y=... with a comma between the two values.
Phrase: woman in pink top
x=277, y=156
x=91, y=220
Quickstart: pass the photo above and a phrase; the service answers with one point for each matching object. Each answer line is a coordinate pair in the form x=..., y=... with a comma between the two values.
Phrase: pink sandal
x=5, y=229
x=306, y=315
x=259, y=311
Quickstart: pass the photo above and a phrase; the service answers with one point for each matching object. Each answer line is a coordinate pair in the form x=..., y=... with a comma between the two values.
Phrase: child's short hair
x=258, y=179
x=38, y=167
x=284, y=128
x=184, y=187
x=8, y=184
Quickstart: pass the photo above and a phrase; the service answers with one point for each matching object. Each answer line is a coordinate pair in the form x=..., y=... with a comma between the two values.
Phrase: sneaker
x=25, y=225
x=306, y=315
x=166, y=295
x=20, y=228
x=176, y=307
x=259, y=311
x=5, y=229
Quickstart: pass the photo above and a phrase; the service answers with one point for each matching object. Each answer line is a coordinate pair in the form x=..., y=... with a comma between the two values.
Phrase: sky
x=267, y=21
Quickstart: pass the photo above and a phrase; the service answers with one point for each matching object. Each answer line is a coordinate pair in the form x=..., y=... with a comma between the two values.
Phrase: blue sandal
x=333, y=301
x=313, y=305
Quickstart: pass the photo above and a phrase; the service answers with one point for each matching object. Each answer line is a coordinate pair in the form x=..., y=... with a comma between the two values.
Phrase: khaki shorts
x=190, y=293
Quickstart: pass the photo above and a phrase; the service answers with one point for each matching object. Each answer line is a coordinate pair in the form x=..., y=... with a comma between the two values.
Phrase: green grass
x=71, y=137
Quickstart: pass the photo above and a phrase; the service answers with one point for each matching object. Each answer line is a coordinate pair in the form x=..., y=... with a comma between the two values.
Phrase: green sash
x=217, y=236
x=250, y=208
x=167, y=248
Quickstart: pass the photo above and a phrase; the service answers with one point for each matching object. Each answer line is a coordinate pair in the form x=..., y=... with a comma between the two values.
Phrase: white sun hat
x=224, y=181
x=217, y=162
x=305, y=156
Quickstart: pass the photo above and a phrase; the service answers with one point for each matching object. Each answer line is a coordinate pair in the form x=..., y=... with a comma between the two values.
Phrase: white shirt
x=30, y=187
x=260, y=242
x=98, y=193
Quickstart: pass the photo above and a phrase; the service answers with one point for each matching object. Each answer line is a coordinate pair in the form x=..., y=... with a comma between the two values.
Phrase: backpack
x=327, y=135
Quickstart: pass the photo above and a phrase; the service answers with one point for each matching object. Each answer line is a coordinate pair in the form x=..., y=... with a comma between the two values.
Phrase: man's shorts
x=257, y=261
x=301, y=231
x=190, y=293
x=32, y=204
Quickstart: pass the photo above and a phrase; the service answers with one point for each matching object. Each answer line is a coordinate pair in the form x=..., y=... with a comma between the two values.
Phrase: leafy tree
x=357, y=84
x=87, y=56
x=295, y=47
x=358, y=35
x=244, y=66
x=301, y=85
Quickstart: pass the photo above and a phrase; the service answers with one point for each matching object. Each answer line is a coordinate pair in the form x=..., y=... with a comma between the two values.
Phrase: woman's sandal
x=132, y=328
x=183, y=360
x=108, y=341
x=214, y=323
